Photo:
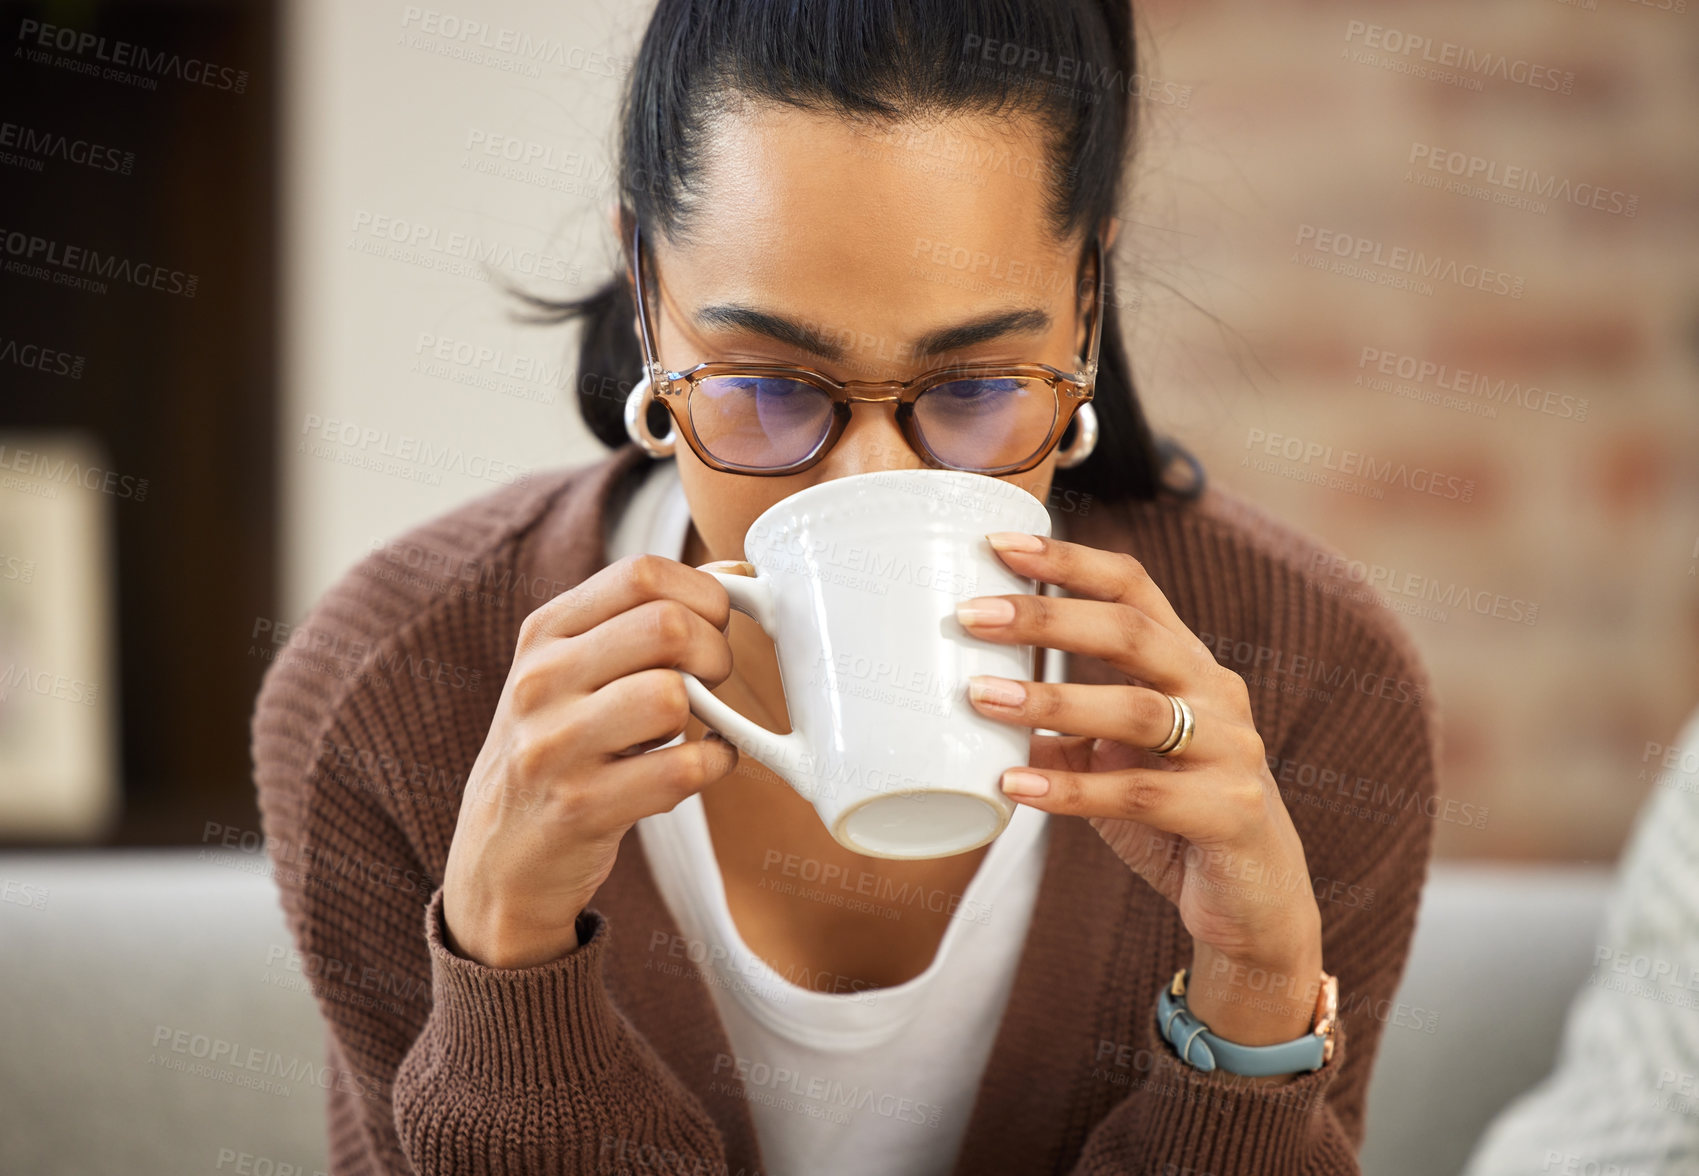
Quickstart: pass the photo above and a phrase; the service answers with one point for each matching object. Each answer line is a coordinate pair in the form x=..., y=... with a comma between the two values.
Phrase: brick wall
x=1461, y=239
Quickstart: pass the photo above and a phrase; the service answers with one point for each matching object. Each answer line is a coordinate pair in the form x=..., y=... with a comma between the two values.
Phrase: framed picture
x=58, y=713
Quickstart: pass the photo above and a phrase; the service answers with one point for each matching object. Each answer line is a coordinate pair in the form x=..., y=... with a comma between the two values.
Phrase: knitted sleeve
x=436, y=1064
x=1624, y=1096
x=1374, y=742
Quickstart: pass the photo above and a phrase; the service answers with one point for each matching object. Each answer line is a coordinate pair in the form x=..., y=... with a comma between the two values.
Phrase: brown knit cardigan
x=613, y=1059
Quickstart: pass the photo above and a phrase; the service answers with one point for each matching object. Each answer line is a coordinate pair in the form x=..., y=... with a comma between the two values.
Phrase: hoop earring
x=637, y=422
x=1085, y=438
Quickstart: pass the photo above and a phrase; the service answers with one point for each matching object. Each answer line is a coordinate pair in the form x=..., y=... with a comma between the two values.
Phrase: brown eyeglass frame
x=672, y=389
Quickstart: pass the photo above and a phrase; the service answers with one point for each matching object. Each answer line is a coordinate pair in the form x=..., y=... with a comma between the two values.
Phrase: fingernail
x=985, y=610
x=1019, y=783
x=998, y=691
x=1014, y=541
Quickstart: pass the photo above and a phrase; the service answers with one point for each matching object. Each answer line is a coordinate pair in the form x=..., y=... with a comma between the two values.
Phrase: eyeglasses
x=773, y=419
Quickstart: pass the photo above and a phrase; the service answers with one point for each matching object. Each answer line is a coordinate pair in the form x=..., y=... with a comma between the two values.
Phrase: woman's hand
x=558, y=781
x=1206, y=827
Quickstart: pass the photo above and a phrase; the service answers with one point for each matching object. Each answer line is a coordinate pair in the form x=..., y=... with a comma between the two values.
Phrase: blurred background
x=247, y=334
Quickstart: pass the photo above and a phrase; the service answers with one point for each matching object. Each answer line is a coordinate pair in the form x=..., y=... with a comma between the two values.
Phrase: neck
x=695, y=551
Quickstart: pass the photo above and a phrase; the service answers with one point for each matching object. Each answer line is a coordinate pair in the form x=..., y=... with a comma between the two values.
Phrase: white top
x=870, y=1082
x=1621, y=1098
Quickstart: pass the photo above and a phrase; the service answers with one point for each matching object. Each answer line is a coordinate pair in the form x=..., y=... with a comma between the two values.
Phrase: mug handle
x=751, y=594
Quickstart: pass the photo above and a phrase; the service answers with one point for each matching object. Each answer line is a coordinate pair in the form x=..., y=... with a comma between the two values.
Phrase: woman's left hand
x=1206, y=826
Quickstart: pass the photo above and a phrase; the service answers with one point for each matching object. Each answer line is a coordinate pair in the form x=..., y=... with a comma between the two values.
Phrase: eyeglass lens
x=768, y=422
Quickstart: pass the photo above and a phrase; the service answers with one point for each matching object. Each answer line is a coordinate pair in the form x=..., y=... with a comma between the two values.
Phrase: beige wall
x=392, y=111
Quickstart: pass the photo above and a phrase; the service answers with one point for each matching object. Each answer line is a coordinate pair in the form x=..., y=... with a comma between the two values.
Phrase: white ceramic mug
x=856, y=581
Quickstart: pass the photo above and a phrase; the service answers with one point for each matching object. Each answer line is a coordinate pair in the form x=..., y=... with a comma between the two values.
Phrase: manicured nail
x=1019, y=783
x=998, y=691
x=985, y=610
x=1014, y=541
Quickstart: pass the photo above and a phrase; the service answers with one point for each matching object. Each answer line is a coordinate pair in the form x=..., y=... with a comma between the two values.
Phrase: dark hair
x=1071, y=63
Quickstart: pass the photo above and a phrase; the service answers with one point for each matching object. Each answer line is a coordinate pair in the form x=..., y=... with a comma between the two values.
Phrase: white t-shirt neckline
x=657, y=520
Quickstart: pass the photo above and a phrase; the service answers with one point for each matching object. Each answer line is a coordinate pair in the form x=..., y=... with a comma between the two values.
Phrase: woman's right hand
x=558, y=781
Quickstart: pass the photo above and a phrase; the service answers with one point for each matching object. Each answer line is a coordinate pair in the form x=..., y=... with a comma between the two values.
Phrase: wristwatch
x=1202, y=1049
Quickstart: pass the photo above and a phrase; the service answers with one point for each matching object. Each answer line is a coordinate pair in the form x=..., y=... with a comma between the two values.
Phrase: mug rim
x=790, y=503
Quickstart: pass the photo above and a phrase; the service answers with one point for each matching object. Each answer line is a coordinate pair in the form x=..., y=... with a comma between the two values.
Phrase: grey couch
x=154, y=1020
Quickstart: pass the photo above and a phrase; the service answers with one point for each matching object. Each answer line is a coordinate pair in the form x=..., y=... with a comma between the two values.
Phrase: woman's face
x=865, y=254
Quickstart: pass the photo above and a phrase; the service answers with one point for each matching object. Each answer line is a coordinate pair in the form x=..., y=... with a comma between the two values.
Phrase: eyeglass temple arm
x=1094, y=344
x=650, y=365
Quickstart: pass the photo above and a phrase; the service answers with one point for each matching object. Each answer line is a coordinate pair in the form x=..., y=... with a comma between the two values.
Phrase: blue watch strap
x=1200, y=1048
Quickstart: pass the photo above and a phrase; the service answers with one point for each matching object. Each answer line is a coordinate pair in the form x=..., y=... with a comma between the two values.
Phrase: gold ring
x=1181, y=733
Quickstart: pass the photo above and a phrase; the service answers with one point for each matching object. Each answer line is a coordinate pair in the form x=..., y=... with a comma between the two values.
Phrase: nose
x=871, y=441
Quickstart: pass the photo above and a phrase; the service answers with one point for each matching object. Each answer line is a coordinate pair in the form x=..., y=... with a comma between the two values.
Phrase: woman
x=1136, y=977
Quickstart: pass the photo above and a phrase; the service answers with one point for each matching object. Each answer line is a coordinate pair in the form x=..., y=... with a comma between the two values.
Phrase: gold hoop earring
x=637, y=422
x=1085, y=438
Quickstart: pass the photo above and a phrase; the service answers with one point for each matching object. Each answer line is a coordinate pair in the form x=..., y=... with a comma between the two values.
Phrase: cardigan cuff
x=1216, y=1119
x=550, y=1025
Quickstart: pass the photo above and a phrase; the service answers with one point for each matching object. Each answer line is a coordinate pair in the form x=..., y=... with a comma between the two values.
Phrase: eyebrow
x=802, y=335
